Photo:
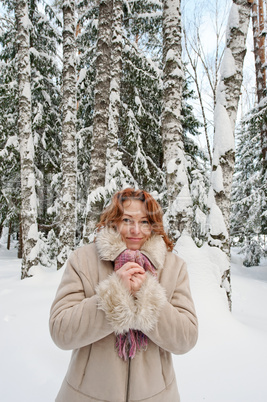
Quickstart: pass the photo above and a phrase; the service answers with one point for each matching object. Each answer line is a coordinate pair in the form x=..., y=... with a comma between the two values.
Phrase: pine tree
x=45, y=38
x=9, y=145
x=248, y=217
x=197, y=162
x=140, y=139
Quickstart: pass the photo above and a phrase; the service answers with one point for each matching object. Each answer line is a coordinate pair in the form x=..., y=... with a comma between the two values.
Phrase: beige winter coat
x=92, y=305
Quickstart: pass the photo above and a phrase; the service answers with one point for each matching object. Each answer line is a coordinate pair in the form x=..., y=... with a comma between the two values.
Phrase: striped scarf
x=128, y=343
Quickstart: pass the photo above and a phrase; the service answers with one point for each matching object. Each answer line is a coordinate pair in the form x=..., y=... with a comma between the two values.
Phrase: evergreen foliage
x=46, y=102
x=9, y=146
x=197, y=166
x=249, y=218
x=140, y=139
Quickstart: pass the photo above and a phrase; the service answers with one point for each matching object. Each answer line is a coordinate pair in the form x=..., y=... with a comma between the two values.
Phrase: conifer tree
x=9, y=145
x=45, y=38
x=140, y=139
x=248, y=216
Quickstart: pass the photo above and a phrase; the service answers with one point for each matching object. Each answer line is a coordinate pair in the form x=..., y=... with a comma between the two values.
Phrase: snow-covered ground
x=228, y=364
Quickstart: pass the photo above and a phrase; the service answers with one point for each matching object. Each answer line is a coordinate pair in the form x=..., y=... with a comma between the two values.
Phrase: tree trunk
x=28, y=192
x=20, y=245
x=100, y=119
x=260, y=67
x=9, y=235
x=225, y=118
x=113, y=155
x=179, y=212
x=69, y=159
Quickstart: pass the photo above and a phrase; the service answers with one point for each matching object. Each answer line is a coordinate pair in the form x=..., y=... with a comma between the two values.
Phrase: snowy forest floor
x=228, y=364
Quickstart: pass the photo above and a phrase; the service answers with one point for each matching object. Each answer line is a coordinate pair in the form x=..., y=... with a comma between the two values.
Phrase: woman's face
x=134, y=227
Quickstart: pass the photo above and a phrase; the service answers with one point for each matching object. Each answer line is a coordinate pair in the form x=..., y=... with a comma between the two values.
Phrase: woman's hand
x=132, y=275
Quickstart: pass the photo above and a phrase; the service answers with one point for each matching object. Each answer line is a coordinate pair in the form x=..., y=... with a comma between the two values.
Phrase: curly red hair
x=112, y=215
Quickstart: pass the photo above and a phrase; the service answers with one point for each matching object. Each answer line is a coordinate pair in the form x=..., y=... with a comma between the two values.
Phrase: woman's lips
x=134, y=239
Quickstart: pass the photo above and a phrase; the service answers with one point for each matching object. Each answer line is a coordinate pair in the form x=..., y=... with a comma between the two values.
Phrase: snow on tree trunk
x=179, y=211
x=259, y=47
x=69, y=159
x=260, y=66
x=113, y=154
x=227, y=99
x=100, y=119
x=28, y=194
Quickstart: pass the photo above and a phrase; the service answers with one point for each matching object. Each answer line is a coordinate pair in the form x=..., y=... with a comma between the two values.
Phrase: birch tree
x=100, y=119
x=227, y=99
x=259, y=37
x=179, y=200
x=113, y=154
x=68, y=196
x=28, y=193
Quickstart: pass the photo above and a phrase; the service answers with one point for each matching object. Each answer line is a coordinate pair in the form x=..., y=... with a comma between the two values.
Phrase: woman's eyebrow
x=142, y=217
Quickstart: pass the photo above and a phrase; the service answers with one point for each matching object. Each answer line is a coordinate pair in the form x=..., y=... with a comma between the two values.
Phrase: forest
x=100, y=95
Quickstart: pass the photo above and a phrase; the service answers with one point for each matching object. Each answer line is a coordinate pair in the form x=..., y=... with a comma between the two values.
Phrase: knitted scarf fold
x=128, y=343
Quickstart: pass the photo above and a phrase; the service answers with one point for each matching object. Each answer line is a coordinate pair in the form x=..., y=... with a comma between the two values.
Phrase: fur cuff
x=149, y=302
x=117, y=302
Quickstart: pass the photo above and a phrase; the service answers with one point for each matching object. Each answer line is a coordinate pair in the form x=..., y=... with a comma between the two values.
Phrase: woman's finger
x=130, y=264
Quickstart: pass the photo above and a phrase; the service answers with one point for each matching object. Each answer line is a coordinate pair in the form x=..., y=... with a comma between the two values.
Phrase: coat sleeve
x=75, y=321
x=176, y=327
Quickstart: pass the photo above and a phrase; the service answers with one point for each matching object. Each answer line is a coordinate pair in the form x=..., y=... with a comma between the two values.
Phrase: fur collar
x=109, y=245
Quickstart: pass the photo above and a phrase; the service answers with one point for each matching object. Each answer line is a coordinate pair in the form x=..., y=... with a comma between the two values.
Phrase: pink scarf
x=127, y=344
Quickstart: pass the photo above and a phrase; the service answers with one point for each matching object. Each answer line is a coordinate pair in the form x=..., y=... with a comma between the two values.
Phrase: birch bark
x=260, y=66
x=69, y=159
x=227, y=99
x=179, y=212
x=100, y=119
x=28, y=212
x=113, y=154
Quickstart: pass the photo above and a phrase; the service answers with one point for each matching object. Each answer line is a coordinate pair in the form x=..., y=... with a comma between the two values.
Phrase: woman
x=123, y=306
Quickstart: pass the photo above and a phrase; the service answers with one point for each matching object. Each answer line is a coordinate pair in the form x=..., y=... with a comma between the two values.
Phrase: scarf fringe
x=127, y=344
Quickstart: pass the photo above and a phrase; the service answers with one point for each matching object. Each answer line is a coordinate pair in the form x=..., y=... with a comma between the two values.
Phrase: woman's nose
x=135, y=229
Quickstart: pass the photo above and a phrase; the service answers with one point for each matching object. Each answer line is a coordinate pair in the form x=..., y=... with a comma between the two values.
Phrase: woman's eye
x=145, y=222
x=126, y=220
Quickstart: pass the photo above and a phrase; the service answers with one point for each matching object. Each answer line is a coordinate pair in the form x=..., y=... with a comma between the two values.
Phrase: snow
x=223, y=137
x=171, y=55
x=228, y=67
x=82, y=75
x=216, y=223
x=171, y=167
x=228, y=363
x=233, y=21
x=217, y=180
